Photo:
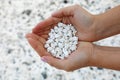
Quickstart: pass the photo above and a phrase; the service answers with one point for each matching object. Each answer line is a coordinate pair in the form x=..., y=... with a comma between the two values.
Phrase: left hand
x=77, y=59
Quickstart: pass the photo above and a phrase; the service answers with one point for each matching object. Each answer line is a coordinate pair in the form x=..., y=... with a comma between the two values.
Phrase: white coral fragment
x=62, y=40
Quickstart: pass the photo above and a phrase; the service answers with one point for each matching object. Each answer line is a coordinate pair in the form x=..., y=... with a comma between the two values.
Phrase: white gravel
x=18, y=61
x=62, y=40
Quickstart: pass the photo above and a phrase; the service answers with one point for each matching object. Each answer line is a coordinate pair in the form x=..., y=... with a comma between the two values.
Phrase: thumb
x=54, y=62
x=67, y=11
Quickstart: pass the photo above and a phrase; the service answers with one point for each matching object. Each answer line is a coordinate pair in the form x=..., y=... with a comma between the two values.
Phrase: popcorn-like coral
x=62, y=40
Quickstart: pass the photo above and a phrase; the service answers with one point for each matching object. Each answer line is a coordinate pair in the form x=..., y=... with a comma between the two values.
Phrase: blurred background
x=18, y=61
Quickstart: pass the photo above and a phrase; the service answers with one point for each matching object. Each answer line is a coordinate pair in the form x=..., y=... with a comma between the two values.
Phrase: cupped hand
x=78, y=58
x=75, y=15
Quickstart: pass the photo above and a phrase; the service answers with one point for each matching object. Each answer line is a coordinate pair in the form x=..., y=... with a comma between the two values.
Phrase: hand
x=79, y=58
x=85, y=23
x=75, y=15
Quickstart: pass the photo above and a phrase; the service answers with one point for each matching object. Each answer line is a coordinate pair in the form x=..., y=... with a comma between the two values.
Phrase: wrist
x=95, y=28
x=107, y=24
x=93, y=61
x=107, y=57
x=92, y=55
x=99, y=27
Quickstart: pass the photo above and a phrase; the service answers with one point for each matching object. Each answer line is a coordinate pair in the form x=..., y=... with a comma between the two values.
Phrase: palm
x=79, y=56
x=37, y=42
x=83, y=23
x=80, y=19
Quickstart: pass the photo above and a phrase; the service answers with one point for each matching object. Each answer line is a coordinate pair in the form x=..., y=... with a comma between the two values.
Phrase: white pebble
x=60, y=45
x=49, y=41
x=49, y=49
x=52, y=45
x=62, y=41
x=46, y=45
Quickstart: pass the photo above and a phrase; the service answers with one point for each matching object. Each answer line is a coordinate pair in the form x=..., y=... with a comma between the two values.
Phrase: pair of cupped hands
x=85, y=24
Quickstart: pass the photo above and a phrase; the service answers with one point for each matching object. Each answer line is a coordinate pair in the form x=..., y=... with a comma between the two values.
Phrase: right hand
x=75, y=15
x=79, y=58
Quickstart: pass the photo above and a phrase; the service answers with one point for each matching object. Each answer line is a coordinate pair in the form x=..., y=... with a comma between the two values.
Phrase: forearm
x=107, y=57
x=108, y=23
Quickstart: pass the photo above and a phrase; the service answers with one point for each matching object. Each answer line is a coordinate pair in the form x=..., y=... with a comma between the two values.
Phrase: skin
x=90, y=28
x=107, y=57
x=79, y=58
x=75, y=15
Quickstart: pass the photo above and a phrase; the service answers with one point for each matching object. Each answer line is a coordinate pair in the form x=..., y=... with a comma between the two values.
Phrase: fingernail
x=43, y=59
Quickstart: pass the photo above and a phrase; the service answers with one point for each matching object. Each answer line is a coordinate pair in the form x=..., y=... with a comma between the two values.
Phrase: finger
x=46, y=23
x=44, y=36
x=60, y=64
x=67, y=11
x=36, y=37
x=66, y=20
x=38, y=47
x=43, y=33
x=45, y=28
x=41, y=38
